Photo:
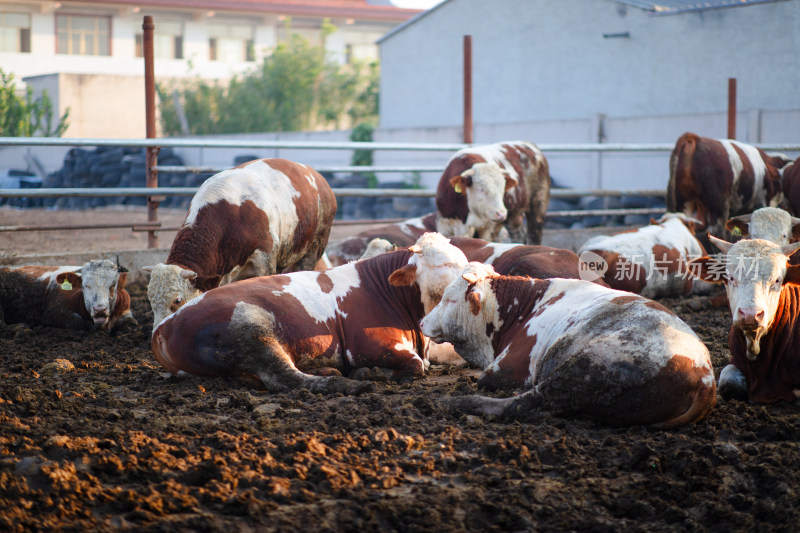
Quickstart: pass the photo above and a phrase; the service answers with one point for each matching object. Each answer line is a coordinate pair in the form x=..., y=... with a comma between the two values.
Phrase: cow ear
x=205, y=283
x=475, y=300
x=795, y=228
x=123, y=279
x=708, y=269
x=71, y=277
x=404, y=276
x=740, y=224
x=148, y=268
x=511, y=181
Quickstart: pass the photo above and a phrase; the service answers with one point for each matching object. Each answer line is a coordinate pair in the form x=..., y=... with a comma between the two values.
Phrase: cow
x=582, y=350
x=714, y=179
x=262, y=217
x=486, y=192
x=284, y=327
x=764, y=293
x=91, y=296
x=401, y=234
x=790, y=181
x=650, y=261
x=767, y=223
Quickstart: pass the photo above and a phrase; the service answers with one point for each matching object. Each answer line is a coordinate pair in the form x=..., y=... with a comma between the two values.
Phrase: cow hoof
x=371, y=374
x=732, y=384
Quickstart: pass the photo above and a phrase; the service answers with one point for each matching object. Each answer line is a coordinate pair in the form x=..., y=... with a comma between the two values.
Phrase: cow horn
x=415, y=248
x=120, y=268
x=795, y=220
x=188, y=274
x=789, y=249
x=722, y=245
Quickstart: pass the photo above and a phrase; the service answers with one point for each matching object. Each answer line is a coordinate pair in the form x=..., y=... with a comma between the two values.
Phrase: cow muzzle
x=749, y=319
x=500, y=215
x=99, y=315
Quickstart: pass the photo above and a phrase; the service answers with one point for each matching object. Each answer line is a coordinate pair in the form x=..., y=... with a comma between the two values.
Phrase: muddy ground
x=94, y=436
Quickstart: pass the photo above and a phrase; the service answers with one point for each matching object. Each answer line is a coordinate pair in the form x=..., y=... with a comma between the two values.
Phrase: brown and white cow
x=259, y=218
x=282, y=328
x=650, y=261
x=487, y=191
x=714, y=179
x=583, y=349
x=74, y=297
x=768, y=223
x=401, y=234
x=764, y=295
x=790, y=180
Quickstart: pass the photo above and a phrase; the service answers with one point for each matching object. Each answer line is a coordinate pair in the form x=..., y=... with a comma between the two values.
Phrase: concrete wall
x=536, y=60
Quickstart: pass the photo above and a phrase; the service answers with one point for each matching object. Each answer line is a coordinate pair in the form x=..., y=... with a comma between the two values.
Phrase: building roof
x=670, y=7
x=359, y=9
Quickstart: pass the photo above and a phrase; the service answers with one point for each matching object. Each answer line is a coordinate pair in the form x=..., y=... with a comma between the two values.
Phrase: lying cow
x=714, y=179
x=74, y=297
x=768, y=223
x=650, y=261
x=486, y=191
x=401, y=234
x=583, y=349
x=282, y=328
x=262, y=217
x=764, y=293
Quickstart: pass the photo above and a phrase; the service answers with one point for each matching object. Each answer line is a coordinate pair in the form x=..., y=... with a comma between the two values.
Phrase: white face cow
x=100, y=281
x=768, y=223
x=754, y=271
x=169, y=288
x=433, y=266
x=467, y=306
x=484, y=185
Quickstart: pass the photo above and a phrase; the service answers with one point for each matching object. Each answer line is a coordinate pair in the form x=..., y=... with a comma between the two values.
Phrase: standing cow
x=714, y=179
x=790, y=180
x=487, y=191
x=581, y=348
x=764, y=295
x=262, y=217
x=283, y=328
x=74, y=297
x=650, y=261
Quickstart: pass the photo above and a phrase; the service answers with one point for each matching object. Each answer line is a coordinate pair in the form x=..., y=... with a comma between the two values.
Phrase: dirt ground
x=94, y=436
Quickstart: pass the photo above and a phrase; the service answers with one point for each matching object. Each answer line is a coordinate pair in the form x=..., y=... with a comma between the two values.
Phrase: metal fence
x=156, y=194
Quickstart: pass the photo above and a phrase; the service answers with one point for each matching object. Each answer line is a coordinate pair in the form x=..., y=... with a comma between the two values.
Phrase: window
x=15, y=32
x=361, y=45
x=230, y=43
x=167, y=41
x=83, y=35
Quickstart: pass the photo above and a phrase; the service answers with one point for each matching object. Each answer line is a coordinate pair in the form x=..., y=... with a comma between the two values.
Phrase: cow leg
x=274, y=366
x=732, y=384
x=535, y=216
x=393, y=364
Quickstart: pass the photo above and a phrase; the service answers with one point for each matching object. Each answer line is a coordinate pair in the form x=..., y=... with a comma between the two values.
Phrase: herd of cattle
x=250, y=288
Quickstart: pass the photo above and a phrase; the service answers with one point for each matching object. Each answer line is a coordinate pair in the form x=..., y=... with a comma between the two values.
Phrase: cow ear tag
x=67, y=286
x=736, y=231
x=457, y=188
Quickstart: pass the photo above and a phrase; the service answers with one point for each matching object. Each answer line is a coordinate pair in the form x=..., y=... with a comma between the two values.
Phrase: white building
x=595, y=71
x=88, y=53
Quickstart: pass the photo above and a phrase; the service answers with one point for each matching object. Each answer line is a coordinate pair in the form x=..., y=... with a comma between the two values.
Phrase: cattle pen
x=155, y=194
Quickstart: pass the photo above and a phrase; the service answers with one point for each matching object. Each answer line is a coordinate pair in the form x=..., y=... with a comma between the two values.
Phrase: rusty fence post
x=150, y=117
x=731, y=108
x=468, y=89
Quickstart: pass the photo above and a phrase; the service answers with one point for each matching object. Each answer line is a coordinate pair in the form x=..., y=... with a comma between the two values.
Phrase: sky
x=415, y=4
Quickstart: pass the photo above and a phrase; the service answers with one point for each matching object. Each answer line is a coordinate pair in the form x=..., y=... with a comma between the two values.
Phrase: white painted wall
x=536, y=60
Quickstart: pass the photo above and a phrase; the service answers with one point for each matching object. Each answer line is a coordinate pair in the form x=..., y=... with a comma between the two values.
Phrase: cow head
x=100, y=281
x=170, y=287
x=468, y=305
x=754, y=272
x=769, y=224
x=433, y=266
x=484, y=185
x=377, y=246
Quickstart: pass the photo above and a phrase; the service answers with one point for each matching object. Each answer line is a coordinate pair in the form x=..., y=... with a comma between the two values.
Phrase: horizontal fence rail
x=158, y=194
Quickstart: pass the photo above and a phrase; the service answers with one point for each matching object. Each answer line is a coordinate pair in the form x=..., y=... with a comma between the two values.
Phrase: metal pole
x=468, y=89
x=150, y=114
x=731, y=108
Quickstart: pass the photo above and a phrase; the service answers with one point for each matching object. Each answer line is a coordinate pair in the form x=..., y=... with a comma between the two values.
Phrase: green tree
x=296, y=87
x=26, y=116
